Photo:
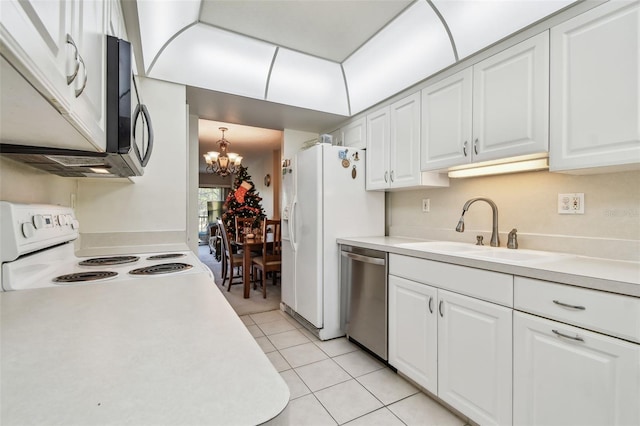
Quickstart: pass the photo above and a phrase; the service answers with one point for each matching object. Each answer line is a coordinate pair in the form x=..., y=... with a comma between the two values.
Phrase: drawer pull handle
x=566, y=305
x=440, y=309
x=431, y=304
x=578, y=338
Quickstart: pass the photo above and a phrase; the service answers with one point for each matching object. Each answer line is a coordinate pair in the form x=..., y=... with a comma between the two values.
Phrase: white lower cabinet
x=474, y=357
x=455, y=346
x=413, y=331
x=564, y=375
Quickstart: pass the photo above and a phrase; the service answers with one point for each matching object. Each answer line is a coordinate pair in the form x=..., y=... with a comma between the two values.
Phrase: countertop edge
x=541, y=270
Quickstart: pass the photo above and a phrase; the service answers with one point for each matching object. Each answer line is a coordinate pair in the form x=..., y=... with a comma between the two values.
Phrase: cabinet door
x=413, y=331
x=377, y=157
x=446, y=122
x=115, y=20
x=582, y=379
x=88, y=29
x=474, y=358
x=511, y=101
x=355, y=134
x=404, y=145
x=595, y=82
x=34, y=39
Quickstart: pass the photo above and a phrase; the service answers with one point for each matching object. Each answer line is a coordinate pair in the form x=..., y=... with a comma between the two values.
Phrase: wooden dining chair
x=271, y=258
x=232, y=262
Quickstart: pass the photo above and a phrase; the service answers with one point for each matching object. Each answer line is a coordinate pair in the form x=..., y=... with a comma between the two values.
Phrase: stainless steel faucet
x=495, y=240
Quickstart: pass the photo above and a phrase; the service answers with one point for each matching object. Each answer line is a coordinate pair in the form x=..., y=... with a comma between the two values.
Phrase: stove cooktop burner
x=84, y=276
x=166, y=256
x=111, y=260
x=162, y=268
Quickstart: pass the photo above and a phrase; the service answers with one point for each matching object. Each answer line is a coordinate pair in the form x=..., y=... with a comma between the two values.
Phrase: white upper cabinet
x=115, y=20
x=404, y=153
x=397, y=127
x=494, y=110
x=34, y=40
x=377, y=156
x=59, y=47
x=446, y=122
x=354, y=134
x=88, y=31
x=595, y=89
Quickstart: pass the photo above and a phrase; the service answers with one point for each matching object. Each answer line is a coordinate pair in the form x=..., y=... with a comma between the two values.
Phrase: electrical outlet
x=426, y=205
x=571, y=203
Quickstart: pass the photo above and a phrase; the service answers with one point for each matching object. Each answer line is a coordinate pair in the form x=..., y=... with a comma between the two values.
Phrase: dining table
x=247, y=245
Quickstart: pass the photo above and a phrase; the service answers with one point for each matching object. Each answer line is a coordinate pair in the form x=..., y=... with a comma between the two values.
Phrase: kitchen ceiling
x=309, y=65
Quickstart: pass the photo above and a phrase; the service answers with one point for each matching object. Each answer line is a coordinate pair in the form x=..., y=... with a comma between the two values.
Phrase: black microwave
x=129, y=133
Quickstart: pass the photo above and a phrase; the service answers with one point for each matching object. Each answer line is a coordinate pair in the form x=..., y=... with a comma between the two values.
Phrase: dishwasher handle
x=365, y=259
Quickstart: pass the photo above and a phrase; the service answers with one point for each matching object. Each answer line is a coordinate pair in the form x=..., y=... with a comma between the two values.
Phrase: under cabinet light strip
x=497, y=169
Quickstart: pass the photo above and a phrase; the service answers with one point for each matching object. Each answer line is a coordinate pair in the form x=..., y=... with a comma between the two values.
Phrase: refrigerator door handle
x=292, y=227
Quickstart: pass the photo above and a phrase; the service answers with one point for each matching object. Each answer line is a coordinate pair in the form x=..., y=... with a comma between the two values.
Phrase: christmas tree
x=242, y=201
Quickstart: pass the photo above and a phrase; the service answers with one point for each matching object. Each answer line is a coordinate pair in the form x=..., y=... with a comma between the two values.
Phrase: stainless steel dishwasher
x=363, y=277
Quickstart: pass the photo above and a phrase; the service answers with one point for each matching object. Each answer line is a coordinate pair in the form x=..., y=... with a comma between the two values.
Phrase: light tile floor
x=335, y=382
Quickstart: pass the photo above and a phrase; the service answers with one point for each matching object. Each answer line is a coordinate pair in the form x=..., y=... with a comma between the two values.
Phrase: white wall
x=609, y=228
x=150, y=214
x=20, y=183
x=192, y=170
x=258, y=167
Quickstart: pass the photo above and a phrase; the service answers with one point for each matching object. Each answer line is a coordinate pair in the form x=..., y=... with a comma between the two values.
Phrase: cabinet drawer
x=486, y=285
x=608, y=313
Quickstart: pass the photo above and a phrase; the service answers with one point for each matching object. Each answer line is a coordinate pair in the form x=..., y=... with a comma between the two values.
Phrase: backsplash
x=609, y=228
x=20, y=183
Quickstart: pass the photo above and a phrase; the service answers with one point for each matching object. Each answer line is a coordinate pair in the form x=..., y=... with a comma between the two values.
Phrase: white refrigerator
x=324, y=198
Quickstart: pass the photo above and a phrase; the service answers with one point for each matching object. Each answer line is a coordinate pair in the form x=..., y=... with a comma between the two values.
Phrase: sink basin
x=441, y=246
x=518, y=256
x=498, y=254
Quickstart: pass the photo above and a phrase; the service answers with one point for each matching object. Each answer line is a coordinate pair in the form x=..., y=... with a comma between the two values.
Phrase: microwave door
x=142, y=130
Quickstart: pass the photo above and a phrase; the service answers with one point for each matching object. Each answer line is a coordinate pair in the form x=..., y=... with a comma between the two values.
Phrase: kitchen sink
x=498, y=254
x=519, y=256
x=441, y=246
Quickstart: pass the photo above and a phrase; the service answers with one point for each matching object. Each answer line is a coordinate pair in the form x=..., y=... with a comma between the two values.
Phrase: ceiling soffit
x=338, y=57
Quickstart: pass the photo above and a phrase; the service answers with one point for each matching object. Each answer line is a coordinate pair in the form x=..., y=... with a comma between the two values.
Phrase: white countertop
x=614, y=276
x=168, y=351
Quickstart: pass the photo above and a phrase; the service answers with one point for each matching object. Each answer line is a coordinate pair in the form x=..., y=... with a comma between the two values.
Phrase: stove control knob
x=62, y=220
x=69, y=219
x=28, y=230
x=75, y=224
x=38, y=221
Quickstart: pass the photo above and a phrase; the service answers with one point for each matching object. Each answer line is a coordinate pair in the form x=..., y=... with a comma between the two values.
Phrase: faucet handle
x=479, y=239
x=512, y=241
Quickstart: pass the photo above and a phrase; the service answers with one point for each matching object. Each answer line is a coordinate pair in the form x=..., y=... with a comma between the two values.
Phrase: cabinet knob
x=386, y=177
x=440, y=308
x=391, y=175
x=475, y=146
x=464, y=148
x=431, y=304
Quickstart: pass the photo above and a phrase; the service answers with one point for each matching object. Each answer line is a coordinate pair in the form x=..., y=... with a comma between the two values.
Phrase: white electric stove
x=37, y=251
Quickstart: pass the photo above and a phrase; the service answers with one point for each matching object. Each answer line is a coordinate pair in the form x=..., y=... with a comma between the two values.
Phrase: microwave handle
x=141, y=108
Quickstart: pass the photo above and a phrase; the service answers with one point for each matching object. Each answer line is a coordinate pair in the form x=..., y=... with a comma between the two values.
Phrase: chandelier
x=222, y=163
